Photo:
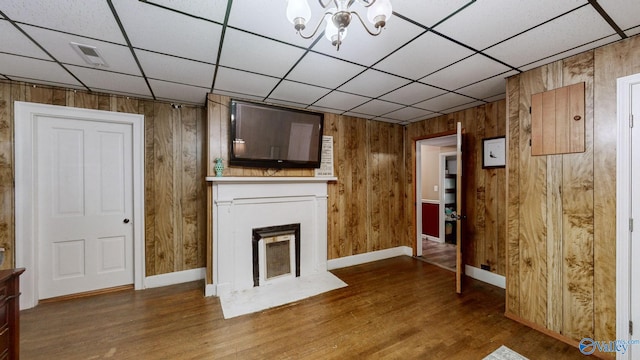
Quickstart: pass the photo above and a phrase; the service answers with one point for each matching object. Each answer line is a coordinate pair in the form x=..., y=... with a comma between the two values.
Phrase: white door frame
x=623, y=210
x=26, y=221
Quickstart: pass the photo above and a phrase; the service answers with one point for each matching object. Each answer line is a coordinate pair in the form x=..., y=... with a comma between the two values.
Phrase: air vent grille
x=90, y=54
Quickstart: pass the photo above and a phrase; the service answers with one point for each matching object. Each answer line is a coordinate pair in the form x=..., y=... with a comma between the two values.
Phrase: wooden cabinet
x=557, y=121
x=9, y=314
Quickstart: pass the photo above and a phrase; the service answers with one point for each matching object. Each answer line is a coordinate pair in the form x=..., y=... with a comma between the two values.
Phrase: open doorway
x=436, y=167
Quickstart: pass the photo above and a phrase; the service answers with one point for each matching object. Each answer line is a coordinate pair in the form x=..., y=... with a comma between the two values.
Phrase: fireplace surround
x=242, y=204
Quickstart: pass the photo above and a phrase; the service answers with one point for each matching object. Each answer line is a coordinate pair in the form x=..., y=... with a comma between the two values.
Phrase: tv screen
x=274, y=137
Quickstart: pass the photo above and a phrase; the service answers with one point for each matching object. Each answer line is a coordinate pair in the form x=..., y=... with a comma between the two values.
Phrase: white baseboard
x=433, y=238
x=368, y=257
x=173, y=278
x=485, y=276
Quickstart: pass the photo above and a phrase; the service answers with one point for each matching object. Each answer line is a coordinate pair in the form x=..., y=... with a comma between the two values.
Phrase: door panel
x=85, y=190
x=459, y=263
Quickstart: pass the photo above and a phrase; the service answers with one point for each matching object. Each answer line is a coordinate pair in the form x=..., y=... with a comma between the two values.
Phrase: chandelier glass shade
x=338, y=17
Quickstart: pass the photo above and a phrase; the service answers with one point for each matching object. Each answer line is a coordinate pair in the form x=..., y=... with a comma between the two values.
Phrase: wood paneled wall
x=175, y=205
x=561, y=224
x=483, y=190
x=368, y=204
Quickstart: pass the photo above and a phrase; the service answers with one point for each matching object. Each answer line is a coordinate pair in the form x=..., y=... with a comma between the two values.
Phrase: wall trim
x=173, y=278
x=485, y=276
x=369, y=257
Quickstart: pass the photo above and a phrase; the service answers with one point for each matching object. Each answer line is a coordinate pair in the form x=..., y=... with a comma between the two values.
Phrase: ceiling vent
x=90, y=54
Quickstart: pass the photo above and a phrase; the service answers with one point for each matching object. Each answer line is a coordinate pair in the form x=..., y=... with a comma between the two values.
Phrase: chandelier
x=339, y=17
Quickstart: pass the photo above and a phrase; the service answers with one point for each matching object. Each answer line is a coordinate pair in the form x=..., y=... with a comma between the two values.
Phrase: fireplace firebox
x=276, y=252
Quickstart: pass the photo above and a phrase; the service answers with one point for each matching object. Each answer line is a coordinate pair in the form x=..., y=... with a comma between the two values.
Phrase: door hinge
x=631, y=225
x=631, y=120
x=630, y=327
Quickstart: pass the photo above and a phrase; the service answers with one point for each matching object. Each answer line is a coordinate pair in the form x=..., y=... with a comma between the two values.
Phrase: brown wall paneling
x=570, y=210
x=482, y=190
x=162, y=246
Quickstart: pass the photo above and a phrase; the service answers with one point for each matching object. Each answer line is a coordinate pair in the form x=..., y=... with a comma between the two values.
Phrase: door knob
x=126, y=221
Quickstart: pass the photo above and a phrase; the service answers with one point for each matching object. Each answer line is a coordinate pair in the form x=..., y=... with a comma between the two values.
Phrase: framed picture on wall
x=493, y=152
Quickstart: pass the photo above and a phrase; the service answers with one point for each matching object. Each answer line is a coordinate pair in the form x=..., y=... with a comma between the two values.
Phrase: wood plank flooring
x=441, y=254
x=394, y=308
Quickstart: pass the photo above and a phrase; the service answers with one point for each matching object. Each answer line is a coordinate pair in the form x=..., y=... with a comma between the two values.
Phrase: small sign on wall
x=493, y=152
x=326, y=160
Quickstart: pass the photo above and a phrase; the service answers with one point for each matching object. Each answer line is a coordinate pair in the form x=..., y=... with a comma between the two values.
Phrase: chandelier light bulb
x=379, y=13
x=298, y=13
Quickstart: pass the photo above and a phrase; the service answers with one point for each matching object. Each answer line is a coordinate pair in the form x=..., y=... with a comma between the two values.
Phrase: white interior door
x=85, y=203
x=634, y=309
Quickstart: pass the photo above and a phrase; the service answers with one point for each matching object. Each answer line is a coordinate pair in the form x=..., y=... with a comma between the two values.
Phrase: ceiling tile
x=423, y=56
x=373, y=83
x=47, y=83
x=244, y=82
x=358, y=115
x=412, y=94
x=341, y=101
x=577, y=28
x=297, y=92
x=118, y=57
x=93, y=21
x=465, y=106
x=565, y=54
x=361, y=48
x=407, y=113
x=209, y=9
x=485, y=23
x=169, y=91
x=489, y=87
x=467, y=71
x=268, y=18
x=107, y=80
x=244, y=51
x=238, y=96
x=321, y=70
x=15, y=42
x=19, y=66
x=429, y=12
x=376, y=108
x=163, y=67
x=188, y=37
x=625, y=13
x=444, y=102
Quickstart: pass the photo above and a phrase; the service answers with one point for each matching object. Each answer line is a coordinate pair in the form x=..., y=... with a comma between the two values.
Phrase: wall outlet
x=485, y=267
x=435, y=187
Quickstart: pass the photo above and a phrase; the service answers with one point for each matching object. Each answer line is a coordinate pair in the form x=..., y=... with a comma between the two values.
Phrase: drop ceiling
x=434, y=57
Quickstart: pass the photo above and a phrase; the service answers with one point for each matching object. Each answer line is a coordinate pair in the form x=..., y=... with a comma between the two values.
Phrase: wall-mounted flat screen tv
x=269, y=136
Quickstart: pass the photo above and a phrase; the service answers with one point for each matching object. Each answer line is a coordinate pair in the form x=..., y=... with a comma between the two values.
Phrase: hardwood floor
x=394, y=308
x=441, y=254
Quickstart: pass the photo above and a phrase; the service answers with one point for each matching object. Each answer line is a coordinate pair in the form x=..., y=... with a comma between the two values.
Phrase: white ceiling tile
x=407, y=113
x=107, y=80
x=362, y=48
x=237, y=95
x=325, y=110
x=467, y=71
x=341, y=101
x=320, y=70
x=244, y=51
x=489, y=87
x=373, y=83
x=358, y=115
x=577, y=28
x=485, y=23
x=296, y=92
x=574, y=51
x=633, y=31
x=90, y=18
x=429, y=12
x=423, y=56
x=444, y=102
x=377, y=108
x=208, y=9
x=463, y=107
x=625, y=13
x=163, y=67
x=268, y=17
x=48, y=83
x=495, y=98
x=118, y=57
x=168, y=32
x=244, y=82
x=164, y=90
x=18, y=66
x=412, y=94
x=15, y=42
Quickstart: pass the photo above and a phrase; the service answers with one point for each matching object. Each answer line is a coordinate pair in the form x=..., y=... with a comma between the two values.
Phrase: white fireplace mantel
x=241, y=204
